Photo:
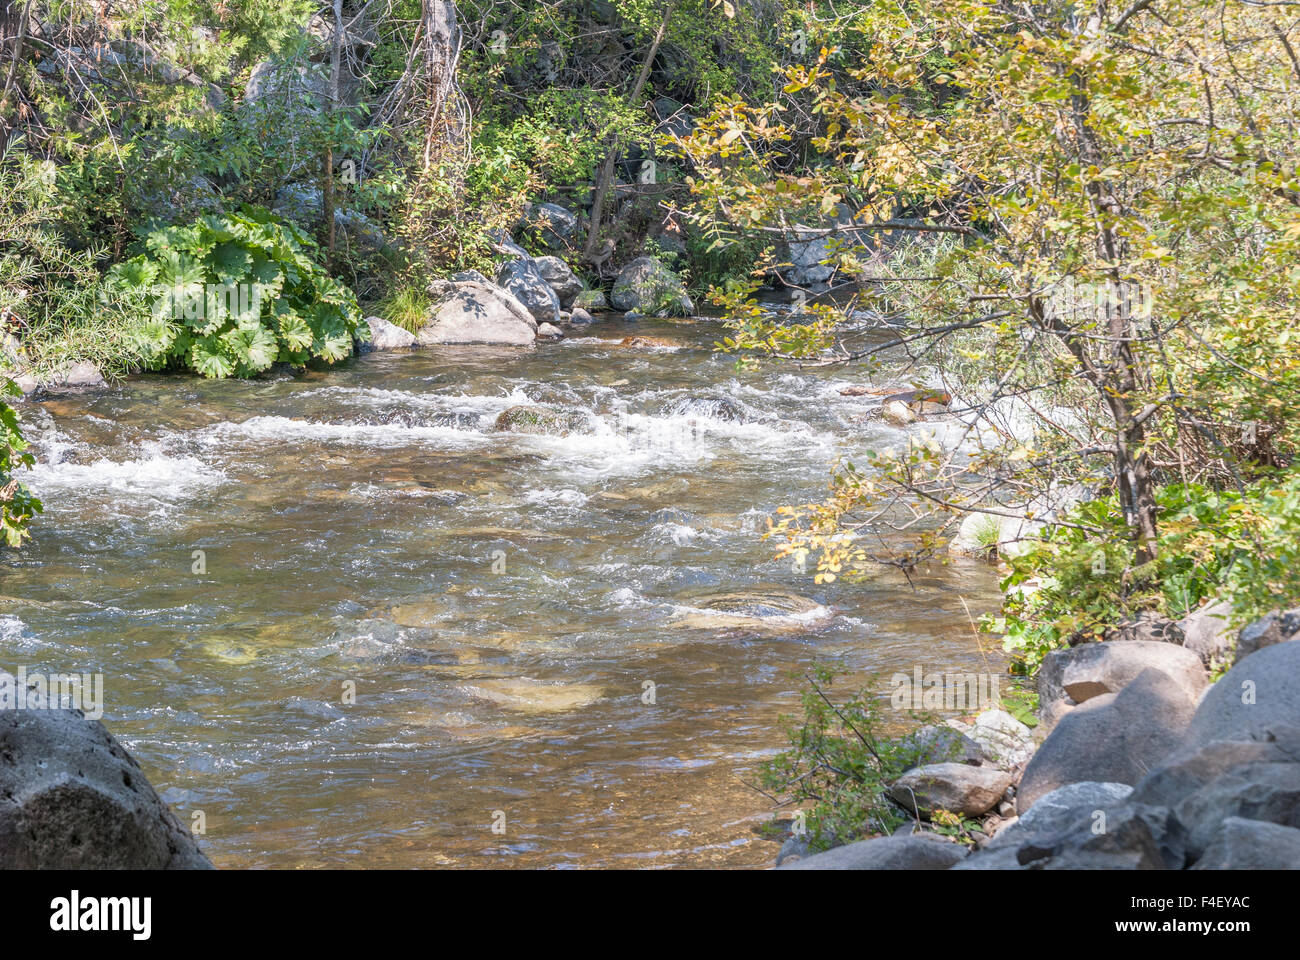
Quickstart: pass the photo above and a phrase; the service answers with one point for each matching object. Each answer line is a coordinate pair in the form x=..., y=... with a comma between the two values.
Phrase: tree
x=1106, y=228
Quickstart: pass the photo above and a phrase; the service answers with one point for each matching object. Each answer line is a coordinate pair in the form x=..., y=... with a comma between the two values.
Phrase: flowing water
x=354, y=625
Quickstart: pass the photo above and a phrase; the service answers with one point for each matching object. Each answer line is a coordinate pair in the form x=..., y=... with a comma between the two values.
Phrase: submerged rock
x=417, y=613
x=714, y=408
x=767, y=611
x=533, y=696
x=539, y=420
x=643, y=342
x=71, y=798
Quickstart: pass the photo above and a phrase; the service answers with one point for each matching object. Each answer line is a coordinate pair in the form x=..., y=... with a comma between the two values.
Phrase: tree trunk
x=606, y=176
x=13, y=32
x=327, y=162
x=442, y=50
x=1116, y=377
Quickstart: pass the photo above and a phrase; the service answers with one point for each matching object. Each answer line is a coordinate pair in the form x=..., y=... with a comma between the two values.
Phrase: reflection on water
x=238, y=557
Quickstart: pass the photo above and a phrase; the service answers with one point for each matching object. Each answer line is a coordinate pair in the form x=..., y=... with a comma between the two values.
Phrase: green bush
x=233, y=294
x=839, y=763
x=66, y=311
x=17, y=505
x=1242, y=546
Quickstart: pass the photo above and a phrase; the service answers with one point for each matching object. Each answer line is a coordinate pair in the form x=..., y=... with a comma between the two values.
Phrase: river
x=351, y=624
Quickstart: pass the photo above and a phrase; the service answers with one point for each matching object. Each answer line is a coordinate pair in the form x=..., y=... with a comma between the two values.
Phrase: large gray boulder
x=1112, y=738
x=1276, y=627
x=1256, y=791
x=560, y=278
x=593, y=300
x=1258, y=694
x=1125, y=836
x=956, y=787
x=386, y=336
x=910, y=852
x=1194, y=766
x=304, y=204
x=1207, y=632
x=1241, y=844
x=1056, y=812
x=71, y=798
x=1075, y=675
x=523, y=279
x=555, y=226
x=813, y=255
x=646, y=286
x=474, y=313
x=505, y=245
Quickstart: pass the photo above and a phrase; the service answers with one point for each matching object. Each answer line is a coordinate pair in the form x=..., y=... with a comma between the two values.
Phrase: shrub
x=64, y=311
x=838, y=761
x=17, y=505
x=234, y=294
x=406, y=306
x=1242, y=546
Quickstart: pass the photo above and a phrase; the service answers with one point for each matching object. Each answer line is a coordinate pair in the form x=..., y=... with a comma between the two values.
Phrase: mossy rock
x=648, y=287
x=540, y=420
x=592, y=301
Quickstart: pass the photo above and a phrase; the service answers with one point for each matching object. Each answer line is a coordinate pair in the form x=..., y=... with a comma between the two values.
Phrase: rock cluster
x=1145, y=765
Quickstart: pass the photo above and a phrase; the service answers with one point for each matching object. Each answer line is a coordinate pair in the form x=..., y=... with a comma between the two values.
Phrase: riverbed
x=343, y=621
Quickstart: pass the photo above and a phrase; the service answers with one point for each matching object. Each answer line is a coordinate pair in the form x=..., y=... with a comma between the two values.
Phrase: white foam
x=285, y=429
x=567, y=497
x=158, y=475
x=11, y=628
x=374, y=397
x=678, y=533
